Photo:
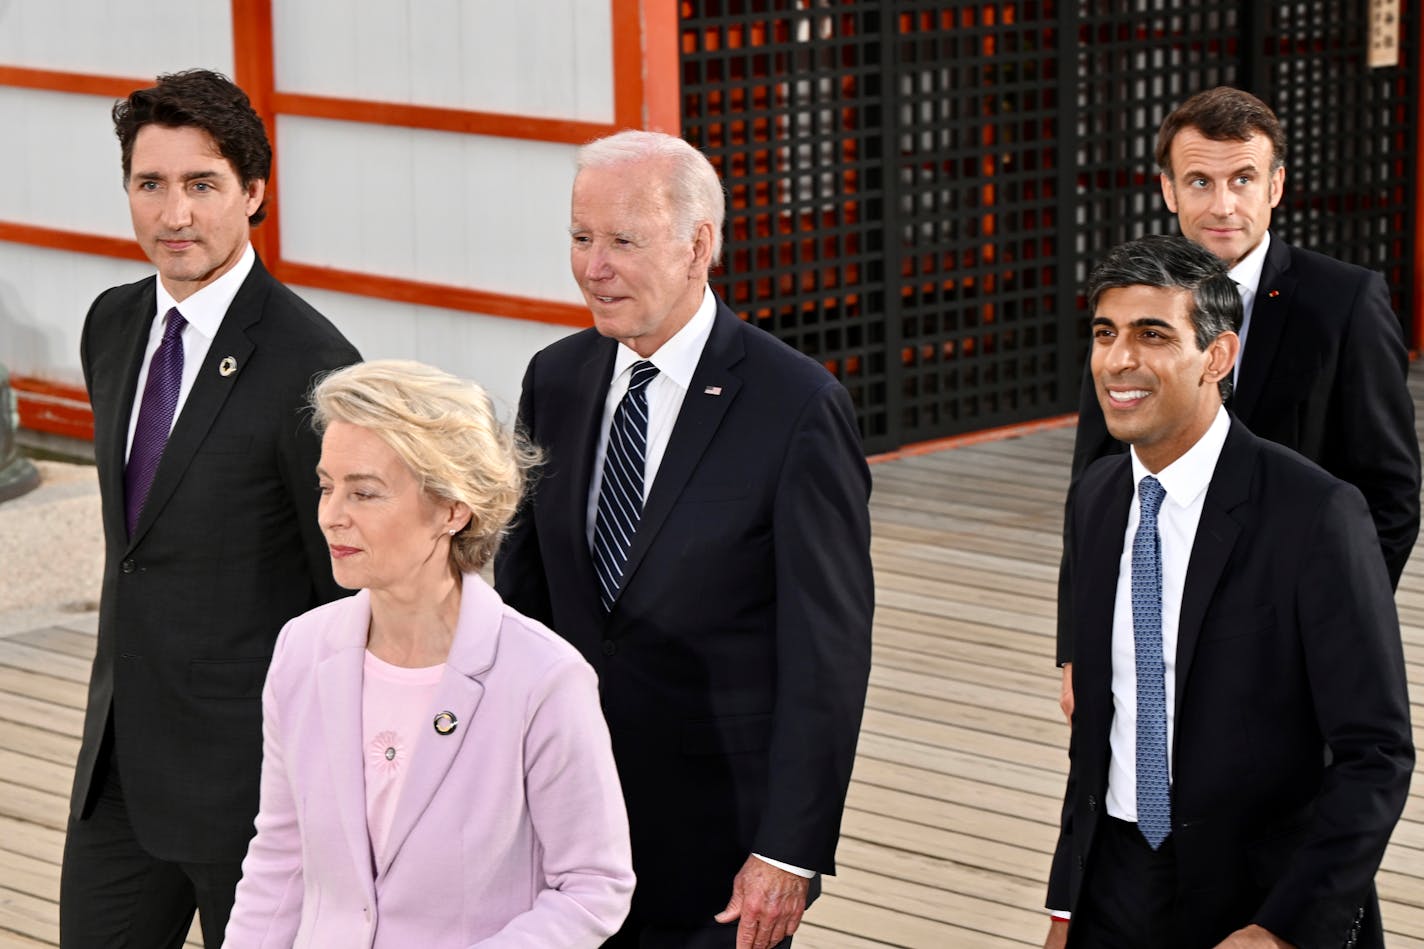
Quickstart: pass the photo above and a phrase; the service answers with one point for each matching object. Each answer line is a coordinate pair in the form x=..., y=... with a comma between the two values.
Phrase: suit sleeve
x=1374, y=419
x=824, y=602
x=1350, y=641
x=1061, y=875
x=300, y=449
x=268, y=905
x=576, y=806
x=519, y=564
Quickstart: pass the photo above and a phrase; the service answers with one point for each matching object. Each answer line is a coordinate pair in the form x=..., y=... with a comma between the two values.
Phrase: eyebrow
x=1141, y=321
x=358, y=476
x=186, y=176
x=1249, y=168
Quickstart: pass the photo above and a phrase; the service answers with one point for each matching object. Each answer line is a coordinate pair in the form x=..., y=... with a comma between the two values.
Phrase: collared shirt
x=204, y=312
x=1247, y=274
x=676, y=361
x=1186, y=481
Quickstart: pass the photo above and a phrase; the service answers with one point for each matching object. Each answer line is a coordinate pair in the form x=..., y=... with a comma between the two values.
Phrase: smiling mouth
x=1127, y=395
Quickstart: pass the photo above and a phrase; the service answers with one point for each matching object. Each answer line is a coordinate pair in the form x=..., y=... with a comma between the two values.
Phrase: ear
x=701, y=251
x=457, y=516
x=1278, y=185
x=1169, y=194
x=256, y=191
x=1220, y=357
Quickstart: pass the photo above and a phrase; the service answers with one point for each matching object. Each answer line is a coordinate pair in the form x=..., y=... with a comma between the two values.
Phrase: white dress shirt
x=1186, y=481
x=204, y=313
x=676, y=361
x=1247, y=274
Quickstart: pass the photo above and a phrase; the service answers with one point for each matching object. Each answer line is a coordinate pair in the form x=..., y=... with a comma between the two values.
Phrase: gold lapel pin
x=228, y=365
x=445, y=723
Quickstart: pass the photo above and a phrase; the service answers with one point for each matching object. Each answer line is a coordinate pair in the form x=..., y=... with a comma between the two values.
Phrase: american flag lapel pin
x=712, y=390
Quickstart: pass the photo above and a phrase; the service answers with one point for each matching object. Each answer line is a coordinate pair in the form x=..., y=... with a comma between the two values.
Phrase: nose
x=330, y=512
x=1223, y=202
x=1119, y=355
x=177, y=209
x=595, y=264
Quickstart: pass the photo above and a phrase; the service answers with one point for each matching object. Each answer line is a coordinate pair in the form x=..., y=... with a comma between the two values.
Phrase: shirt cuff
x=1062, y=914
x=804, y=874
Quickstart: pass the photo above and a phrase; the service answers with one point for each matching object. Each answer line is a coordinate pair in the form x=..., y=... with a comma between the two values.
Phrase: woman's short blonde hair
x=445, y=430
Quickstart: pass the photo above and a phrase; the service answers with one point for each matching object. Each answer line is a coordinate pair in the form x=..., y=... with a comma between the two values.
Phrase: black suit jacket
x=227, y=549
x=1288, y=644
x=1324, y=372
x=734, y=663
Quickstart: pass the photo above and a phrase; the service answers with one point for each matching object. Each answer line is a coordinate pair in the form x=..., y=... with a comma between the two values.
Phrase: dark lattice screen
x=918, y=189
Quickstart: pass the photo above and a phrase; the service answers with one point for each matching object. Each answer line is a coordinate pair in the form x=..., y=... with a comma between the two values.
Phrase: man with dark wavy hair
x=197, y=379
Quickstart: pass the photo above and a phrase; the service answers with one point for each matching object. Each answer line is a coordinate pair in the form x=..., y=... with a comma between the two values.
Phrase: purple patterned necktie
x=155, y=416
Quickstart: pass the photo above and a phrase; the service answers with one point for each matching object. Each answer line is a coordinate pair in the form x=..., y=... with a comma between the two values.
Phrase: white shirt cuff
x=804, y=874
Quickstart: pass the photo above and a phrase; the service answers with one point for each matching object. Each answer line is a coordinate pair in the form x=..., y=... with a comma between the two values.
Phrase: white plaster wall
x=44, y=295
x=548, y=58
x=466, y=210
x=111, y=38
x=64, y=169
x=490, y=350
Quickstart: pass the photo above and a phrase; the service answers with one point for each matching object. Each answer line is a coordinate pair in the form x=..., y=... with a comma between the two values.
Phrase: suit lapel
x=121, y=407
x=709, y=396
x=1268, y=321
x=570, y=510
x=210, y=390
x=1217, y=533
x=339, y=682
x=471, y=656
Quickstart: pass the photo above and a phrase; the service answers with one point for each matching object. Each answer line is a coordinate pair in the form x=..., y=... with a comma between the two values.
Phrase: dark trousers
x=113, y=894
x=1128, y=891
x=636, y=935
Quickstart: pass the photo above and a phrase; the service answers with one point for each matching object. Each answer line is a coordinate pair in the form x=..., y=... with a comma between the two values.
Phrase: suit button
x=1092, y=804
x=1080, y=863
x=128, y=566
x=609, y=647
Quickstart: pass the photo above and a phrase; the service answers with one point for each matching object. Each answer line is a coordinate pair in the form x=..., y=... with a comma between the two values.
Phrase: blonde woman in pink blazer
x=436, y=771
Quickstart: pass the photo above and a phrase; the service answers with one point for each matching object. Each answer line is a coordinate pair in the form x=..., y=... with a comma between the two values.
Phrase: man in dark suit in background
x=1323, y=365
x=206, y=461
x=1231, y=625
x=701, y=534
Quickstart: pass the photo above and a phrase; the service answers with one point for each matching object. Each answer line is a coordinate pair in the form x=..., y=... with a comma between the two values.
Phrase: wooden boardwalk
x=953, y=810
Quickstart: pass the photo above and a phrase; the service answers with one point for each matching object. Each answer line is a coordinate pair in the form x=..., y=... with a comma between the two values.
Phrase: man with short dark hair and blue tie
x=198, y=379
x=1241, y=745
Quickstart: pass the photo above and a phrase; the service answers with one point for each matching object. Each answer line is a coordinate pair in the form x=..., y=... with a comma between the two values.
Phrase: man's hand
x=1253, y=937
x=769, y=902
x=1065, y=696
x=1057, y=934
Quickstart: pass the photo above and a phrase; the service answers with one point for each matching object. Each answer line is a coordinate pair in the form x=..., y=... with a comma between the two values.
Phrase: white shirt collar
x=1247, y=271
x=678, y=357
x=205, y=309
x=1189, y=475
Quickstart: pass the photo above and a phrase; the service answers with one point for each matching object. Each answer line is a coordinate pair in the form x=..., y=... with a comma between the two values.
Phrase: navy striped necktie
x=620, y=497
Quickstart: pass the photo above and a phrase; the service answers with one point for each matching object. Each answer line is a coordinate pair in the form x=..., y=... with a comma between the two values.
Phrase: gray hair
x=692, y=182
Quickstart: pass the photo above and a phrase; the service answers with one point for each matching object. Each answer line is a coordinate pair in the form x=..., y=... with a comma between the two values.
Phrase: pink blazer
x=510, y=831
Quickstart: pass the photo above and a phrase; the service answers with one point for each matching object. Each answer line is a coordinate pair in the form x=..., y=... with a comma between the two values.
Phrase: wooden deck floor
x=953, y=810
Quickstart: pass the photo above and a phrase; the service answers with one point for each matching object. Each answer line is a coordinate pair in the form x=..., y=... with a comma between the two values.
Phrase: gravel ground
x=53, y=543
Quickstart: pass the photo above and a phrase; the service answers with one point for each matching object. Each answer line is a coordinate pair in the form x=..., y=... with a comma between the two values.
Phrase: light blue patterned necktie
x=1154, y=791
x=620, y=497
